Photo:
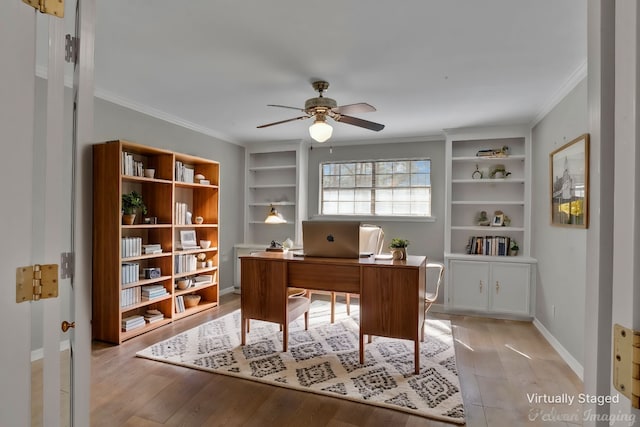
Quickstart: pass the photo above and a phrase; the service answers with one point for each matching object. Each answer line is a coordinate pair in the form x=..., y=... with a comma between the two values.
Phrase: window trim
x=364, y=217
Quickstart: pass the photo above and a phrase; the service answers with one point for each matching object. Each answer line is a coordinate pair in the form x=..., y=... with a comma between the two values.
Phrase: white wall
x=116, y=122
x=111, y=122
x=561, y=252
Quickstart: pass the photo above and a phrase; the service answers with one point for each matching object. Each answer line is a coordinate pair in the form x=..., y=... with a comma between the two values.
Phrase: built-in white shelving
x=488, y=283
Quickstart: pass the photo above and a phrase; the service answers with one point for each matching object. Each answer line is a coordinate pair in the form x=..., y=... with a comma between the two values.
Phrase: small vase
x=128, y=219
x=399, y=253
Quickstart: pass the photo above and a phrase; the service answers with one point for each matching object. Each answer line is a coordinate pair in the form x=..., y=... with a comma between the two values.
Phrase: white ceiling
x=426, y=65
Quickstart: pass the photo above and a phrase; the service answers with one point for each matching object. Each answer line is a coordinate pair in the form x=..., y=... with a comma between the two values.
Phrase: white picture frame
x=188, y=238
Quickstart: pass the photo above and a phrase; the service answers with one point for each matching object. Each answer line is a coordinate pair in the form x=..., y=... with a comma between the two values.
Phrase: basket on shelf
x=191, y=300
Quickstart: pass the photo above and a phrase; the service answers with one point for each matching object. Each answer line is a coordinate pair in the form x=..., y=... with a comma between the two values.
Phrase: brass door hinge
x=50, y=7
x=35, y=282
x=626, y=363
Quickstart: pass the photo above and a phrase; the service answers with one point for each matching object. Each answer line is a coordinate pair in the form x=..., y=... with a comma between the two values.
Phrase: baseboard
x=566, y=356
x=38, y=353
x=228, y=290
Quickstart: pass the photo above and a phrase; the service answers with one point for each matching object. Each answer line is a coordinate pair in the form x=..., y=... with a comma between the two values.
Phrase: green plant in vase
x=131, y=204
x=514, y=248
x=399, y=248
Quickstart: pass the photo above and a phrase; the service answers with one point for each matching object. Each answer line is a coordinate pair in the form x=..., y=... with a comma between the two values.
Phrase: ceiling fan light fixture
x=320, y=131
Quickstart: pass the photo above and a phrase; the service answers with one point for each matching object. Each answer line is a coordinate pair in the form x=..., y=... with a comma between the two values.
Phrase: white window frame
x=404, y=218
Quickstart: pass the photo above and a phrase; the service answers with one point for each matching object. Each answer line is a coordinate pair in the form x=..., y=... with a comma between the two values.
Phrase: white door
x=35, y=186
x=16, y=124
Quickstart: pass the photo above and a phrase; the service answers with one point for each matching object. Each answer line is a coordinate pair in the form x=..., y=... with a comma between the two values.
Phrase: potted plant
x=514, y=248
x=399, y=248
x=132, y=203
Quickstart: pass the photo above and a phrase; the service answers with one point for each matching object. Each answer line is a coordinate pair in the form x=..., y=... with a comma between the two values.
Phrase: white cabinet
x=275, y=176
x=490, y=287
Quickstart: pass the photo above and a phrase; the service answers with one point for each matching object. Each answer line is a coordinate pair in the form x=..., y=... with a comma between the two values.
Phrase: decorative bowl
x=204, y=244
x=191, y=300
x=183, y=284
x=149, y=173
x=199, y=220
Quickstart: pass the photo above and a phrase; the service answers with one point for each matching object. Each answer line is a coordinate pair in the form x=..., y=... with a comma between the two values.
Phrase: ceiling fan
x=321, y=107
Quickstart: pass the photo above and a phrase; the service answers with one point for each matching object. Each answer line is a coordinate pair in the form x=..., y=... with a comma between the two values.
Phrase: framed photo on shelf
x=188, y=238
x=569, y=178
x=498, y=220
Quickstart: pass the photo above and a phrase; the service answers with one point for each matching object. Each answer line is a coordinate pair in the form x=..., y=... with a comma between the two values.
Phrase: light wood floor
x=499, y=362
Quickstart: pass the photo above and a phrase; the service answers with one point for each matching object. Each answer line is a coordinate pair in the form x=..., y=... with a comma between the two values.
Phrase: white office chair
x=431, y=297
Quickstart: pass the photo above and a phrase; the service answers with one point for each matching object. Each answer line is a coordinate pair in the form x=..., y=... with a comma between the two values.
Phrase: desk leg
x=361, y=347
x=243, y=328
x=285, y=335
x=333, y=307
x=416, y=353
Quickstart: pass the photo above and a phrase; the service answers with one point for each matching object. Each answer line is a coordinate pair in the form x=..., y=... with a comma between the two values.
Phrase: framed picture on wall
x=569, y=178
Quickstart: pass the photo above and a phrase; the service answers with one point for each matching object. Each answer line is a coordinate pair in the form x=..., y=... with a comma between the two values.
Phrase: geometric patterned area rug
x=325, y=360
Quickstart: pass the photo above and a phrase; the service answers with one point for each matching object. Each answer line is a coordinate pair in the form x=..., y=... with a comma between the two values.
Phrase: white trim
x=374, y=218
x=345, y=143
x=564, y=354
x=145, y=109
x=38, y=353
x=574, y=79
x=227, y=290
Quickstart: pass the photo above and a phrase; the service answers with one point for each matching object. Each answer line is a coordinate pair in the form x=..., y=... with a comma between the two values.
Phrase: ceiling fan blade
x=283, y=121
x=361, y=107
x=359, y=122
x=285, y=106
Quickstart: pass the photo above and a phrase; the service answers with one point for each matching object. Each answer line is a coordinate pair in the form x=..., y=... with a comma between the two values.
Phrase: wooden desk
x=391, y=292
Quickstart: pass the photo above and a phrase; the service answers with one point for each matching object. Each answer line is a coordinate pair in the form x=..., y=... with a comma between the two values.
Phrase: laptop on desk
x=331, y=239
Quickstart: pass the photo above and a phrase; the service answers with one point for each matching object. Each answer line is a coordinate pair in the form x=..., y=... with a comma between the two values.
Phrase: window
x=377, y=187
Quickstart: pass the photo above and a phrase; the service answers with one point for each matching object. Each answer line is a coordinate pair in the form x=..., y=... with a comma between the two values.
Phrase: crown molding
x=572, y=81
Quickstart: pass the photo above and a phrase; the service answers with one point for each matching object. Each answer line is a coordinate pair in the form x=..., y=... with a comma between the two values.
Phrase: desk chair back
x=431, y=295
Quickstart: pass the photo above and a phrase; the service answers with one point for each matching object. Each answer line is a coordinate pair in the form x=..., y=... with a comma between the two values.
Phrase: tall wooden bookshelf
x=117, y=293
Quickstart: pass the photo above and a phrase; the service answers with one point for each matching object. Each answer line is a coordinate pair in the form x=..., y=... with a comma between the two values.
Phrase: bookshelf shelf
x=119, y=167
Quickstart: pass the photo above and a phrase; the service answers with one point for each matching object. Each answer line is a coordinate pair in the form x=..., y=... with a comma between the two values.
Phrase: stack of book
x=130, y=166
x=130, y=272
x=132, y=322
x=185, y=263
x=153, y=291
x=180, y=304
x=184, y=173
x=154, y=248
x=152, y=316
x=489, y=245
x=130, y=296
x=203, y=279
x=131, y=246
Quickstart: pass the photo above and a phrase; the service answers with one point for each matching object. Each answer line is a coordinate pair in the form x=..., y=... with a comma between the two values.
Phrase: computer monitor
x=331, y=239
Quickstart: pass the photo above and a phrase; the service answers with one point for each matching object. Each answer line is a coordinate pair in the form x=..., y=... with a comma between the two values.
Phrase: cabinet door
x=469, y=285
x=510, y=288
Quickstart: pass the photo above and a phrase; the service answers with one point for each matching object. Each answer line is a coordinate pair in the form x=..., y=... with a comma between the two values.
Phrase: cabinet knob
x=497, y=286
x=481, y=285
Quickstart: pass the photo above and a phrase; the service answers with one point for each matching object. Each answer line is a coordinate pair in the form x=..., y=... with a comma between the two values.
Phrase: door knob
x=66, y=325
